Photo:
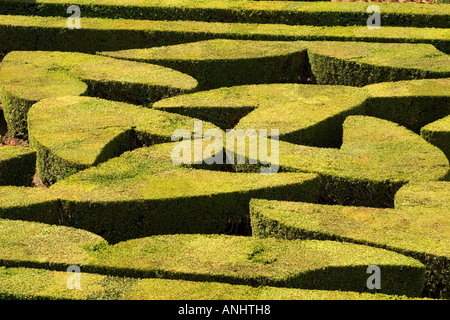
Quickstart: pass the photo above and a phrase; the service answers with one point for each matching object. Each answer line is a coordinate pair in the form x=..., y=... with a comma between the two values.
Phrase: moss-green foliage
x=222, y=63
x=375, y=159
x=97, y=34
x=33, y=204
x=27, y=77
x=143, y=193
x=432, y=194
x=17, y=166
x=377, y=156
x=359, y=64
x=137, y=194
x=190, y=290
x=303, y=114
x=438, y=134
x=312, y=264
x=421, y=231
x=40, y=284
x=34, y=244
x=292, y=12
x=73, y=133
x=412, y=104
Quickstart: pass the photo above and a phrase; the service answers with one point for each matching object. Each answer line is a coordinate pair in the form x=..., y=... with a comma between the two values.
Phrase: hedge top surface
x=10, y=152
x=415, y=88
x=194, y=256
x=77, y=129
x=80, y=66
x=193, y=290
x=420, y=230
x=244, y=256
x=28, y=283
x=34, y=83
x=38, y=242
x=441, y=125
x=246, y=5
x=313, y=105
x=432, y=194
x=298, y=105
x=149, y=173
x=215, y=49
x=372, y=149
x=12, y=196
x=395, y=55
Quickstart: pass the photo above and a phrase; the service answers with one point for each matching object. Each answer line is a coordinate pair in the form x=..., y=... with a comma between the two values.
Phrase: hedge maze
x=87, y=170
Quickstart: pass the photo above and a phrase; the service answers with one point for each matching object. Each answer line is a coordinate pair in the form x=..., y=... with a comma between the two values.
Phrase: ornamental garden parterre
x=88, y=127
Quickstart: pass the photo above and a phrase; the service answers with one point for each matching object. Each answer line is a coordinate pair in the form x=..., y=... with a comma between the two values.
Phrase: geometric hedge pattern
x=87, y=177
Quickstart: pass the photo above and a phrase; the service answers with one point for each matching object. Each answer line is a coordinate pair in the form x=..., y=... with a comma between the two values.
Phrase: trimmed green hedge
x=438, y=134
x=74, y=133
x=143, y=193
x=431, y=194
x=303, y=114
x=224, y=62
x=421, y=232
x=39, y=284
x=27, y=77
x=289, y=13
x=17, y=166
x=51, y=33
x=356, y=168
x=376, y=158
x=325, y=265
x=359, y=64
x=412, y=104
x=29, y=204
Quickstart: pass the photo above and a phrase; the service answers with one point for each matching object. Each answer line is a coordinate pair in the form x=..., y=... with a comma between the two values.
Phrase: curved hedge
x=71, y=133
x=421, y=231
x=361, y=173
x=17, y=166
x=303, y=114
x=438, y=133
x=376, y=158
x=40, y=284
x=143, y=193
x=256, y=262
x=223, y=62
x=360, y=64
x=413, y=103
x=27, y=77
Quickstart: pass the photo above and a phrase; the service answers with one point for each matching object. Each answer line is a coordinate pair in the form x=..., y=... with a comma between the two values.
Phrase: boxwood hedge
x=359, y=64
x=412, y=104
x=438, y=133
x=420, y=231
x=244, y=11
x=143, y=193
x=73, y=133
x=303, y=114
x=376, y=158
x=27, y=77
x=98, y=34
x=326, y=265
x=224, y=62
x=41, y=284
